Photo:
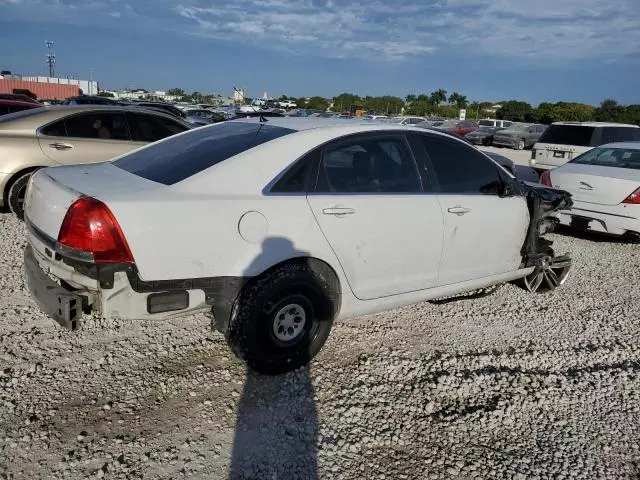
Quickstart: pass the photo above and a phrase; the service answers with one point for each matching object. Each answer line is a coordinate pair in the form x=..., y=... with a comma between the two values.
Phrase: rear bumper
x=601, y=218
x=64, y=306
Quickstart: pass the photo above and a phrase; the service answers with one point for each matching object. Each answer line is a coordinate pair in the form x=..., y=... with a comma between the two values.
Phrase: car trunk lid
x=51, y=191
x=596, y=184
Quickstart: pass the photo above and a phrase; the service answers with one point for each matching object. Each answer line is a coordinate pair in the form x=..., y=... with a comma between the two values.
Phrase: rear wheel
x=282, y=319
x=521, y=144
x=16, y=194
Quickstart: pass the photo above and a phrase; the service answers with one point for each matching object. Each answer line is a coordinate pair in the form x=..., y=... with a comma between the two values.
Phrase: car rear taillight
x=545, y=178
x=634, y=198
x=90, y=226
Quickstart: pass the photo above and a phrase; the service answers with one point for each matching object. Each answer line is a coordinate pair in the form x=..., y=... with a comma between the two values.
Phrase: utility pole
x=51, y=58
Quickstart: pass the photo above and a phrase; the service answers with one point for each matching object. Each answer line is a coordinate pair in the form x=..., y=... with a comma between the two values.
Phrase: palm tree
x=438, y=96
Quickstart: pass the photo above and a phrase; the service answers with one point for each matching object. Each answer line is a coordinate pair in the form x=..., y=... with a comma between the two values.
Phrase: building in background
x=48, y=88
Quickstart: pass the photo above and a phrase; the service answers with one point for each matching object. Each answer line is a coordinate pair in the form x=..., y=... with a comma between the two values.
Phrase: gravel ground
x=508, y=386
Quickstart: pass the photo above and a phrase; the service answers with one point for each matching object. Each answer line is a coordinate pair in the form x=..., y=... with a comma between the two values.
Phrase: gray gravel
x=512, y=385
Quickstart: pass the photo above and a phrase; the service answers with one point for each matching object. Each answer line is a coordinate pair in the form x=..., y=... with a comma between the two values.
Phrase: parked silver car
x=519, y=135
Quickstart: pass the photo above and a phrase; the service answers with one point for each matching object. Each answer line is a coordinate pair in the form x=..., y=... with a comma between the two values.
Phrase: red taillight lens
x=545, y=178
x=634, y=198
x=90, y=226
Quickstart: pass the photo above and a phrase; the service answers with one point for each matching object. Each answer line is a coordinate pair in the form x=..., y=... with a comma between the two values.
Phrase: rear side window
x=98, y=125
x=151, y=128
x=56, y=129
x=180, y=157
x=610, y=157
x=461, y=169
x=22, y=114
x=578, y=135
x=619, y=134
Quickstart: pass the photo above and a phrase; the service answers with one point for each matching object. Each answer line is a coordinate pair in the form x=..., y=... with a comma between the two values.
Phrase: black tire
x=15, y=196
x=306, y=289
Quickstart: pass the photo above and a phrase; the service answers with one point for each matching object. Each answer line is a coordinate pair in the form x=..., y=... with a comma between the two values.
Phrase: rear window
x=578, y=135
x=610, y=157
x=180, y=157
x=24, y=113
x=486, y=123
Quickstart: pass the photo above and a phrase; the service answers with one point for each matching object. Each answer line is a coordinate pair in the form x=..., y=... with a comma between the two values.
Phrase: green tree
x=438, y=96
x=106, y=94
x=318, y=103
x=410, y=98
x=196, y=97
x=344, y=101
x=609, y=111
x=515, y=111
x=178, y=92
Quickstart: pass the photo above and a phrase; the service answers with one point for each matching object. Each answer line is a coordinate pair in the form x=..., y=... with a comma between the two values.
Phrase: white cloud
x=541, y=31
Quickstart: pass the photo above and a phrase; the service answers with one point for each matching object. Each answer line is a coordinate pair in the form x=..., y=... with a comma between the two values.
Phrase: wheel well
x=321, y=267
x=223, y=309
x=12, y=180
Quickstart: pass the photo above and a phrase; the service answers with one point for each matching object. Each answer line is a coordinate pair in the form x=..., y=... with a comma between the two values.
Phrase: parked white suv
x=563, y=141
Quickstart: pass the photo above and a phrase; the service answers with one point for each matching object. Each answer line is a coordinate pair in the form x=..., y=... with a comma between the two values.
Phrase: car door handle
x=338, y=211
x=61, y=146
x=458, y=210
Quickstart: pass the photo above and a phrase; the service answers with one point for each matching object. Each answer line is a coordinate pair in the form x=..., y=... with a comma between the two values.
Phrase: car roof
x=627, y=145
x=51, y=113
x=595, y=124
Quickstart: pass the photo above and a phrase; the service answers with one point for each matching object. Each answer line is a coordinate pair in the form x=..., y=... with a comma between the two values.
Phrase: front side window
x=98, y=125
x=369, y=165
x=151, y=128
x=461, y=169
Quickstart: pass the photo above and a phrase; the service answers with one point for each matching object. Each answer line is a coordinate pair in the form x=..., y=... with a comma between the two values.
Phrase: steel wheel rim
x=549, y=275
x=288, y=323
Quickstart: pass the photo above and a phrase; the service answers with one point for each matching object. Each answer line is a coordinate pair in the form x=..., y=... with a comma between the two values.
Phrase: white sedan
x=282, y=228
x=605, y=186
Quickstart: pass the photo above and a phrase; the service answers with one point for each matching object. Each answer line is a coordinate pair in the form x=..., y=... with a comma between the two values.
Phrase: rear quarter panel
x=197, y=236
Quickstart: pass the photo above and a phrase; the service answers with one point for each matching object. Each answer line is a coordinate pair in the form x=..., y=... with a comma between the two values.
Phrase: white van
x=490, y=122
x=563, y=141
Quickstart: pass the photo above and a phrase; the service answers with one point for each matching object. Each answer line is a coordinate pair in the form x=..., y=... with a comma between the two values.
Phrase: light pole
x=51, y=58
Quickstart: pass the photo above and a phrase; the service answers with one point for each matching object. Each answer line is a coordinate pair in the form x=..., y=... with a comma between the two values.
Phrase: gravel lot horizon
x=512, y=385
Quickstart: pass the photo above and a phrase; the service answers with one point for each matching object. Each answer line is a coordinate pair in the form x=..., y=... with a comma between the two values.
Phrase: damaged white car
x=280, y=228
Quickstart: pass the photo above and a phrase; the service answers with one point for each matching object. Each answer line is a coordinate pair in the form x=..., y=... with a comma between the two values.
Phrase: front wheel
x=16, y=195
x=282, y=319
x=521, y=144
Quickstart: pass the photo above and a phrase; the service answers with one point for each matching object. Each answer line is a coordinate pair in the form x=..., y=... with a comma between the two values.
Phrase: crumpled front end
x=551, y=270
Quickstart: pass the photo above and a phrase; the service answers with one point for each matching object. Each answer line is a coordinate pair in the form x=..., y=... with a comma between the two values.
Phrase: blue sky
x=570, y=50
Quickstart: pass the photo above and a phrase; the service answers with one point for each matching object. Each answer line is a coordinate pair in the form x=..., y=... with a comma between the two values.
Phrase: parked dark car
x=165, y=107
x=519, y=135
x=11, y=106
x=20, y=97
x=259, y=113
x=89, y=100
x=455, y=126
x=482, y=136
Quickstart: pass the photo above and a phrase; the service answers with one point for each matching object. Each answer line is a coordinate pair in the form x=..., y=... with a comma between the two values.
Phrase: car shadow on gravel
x=277, y=420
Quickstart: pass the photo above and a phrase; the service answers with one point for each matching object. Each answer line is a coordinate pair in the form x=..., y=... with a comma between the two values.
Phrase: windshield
x=176, y=158
x=578, y=135
x=396, y=120
x=486, y=129
x=610, y=157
